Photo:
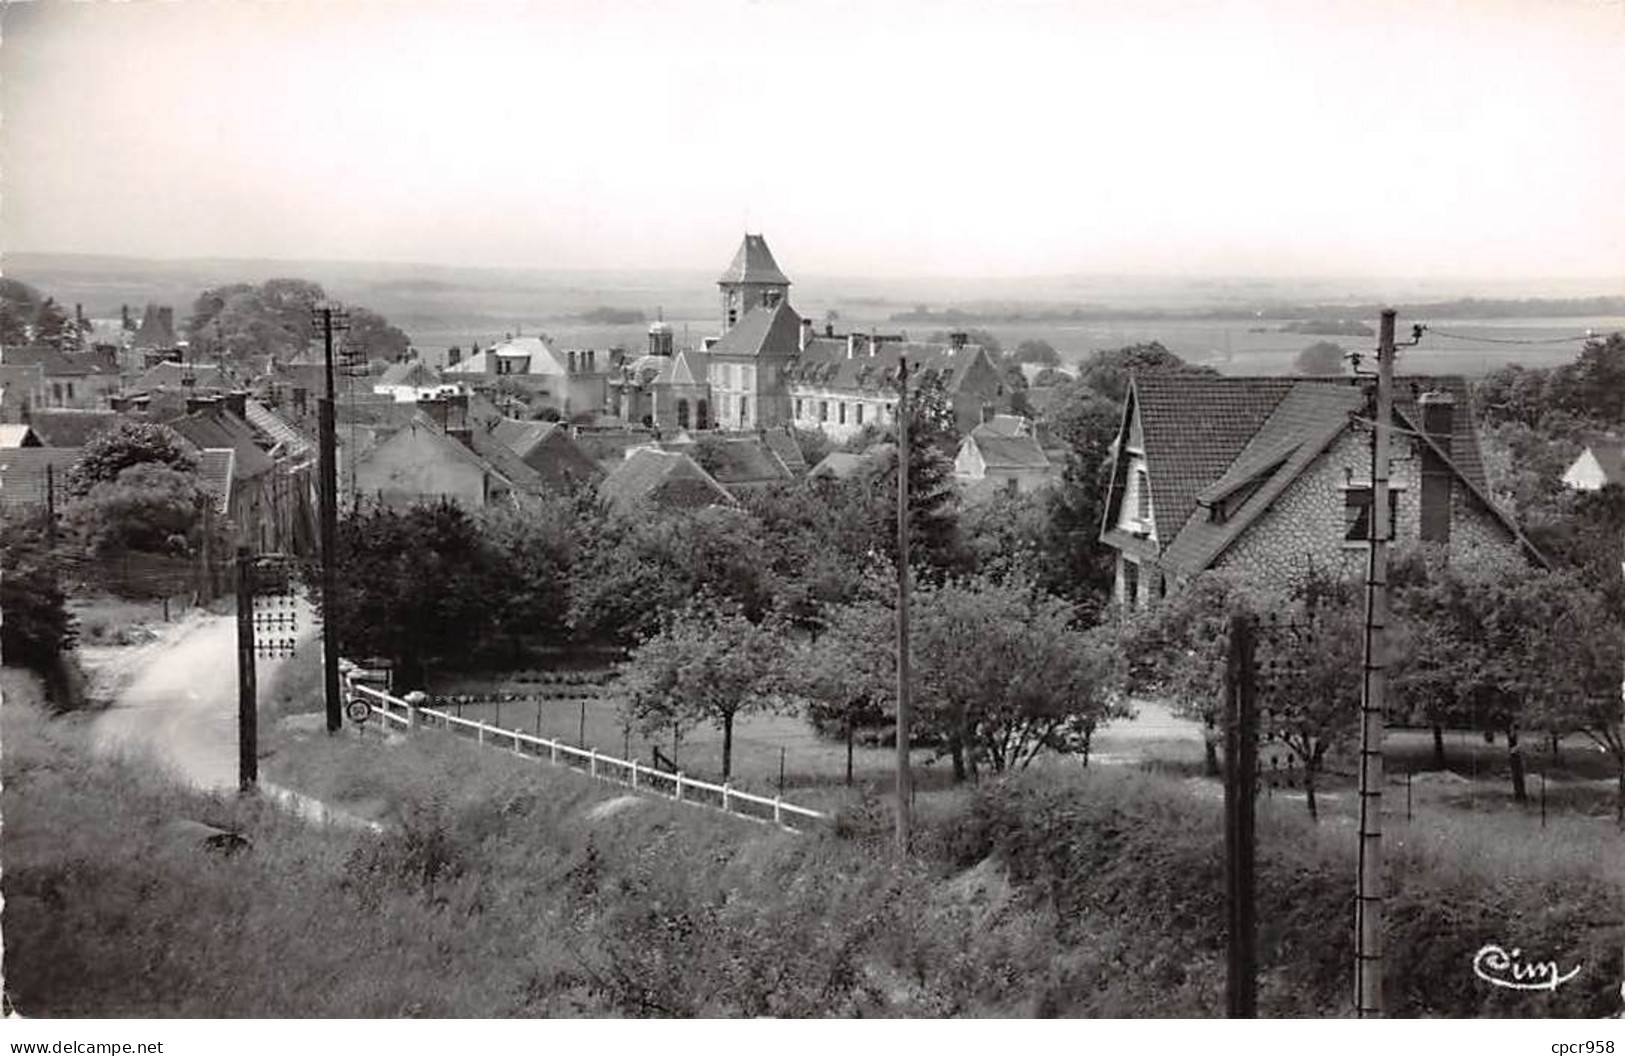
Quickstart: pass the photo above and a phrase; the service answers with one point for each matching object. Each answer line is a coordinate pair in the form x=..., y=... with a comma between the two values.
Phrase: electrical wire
x=1588, y=336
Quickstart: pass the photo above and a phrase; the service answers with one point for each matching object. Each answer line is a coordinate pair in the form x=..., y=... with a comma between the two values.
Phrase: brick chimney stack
x=1438, y=411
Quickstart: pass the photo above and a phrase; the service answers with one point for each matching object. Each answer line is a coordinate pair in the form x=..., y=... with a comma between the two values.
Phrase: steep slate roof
x=1207, y=437
x=67, y=427
x=651, y=477
x=1009, y=452
x=540, y=358
x=842, y=465
x=23, y=477
x=687, y=367
x=753, y=262
x=278, y=429
x=825, y=364
x=217, y=427
x=763, y=331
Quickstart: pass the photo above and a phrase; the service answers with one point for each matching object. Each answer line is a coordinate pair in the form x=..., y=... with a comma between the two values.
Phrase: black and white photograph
x=747, y=510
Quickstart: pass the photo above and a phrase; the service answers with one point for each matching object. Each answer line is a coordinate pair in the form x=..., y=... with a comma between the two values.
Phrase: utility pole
x=1240, y=790
x=1368, y=900
x=247, y=713
x=904, y=705
x=50, y=503
x=329, y=318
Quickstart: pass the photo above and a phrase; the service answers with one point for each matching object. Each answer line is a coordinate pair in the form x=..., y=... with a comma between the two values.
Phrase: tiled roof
x=1208, y=436
x=217, y=427
x=824, y=364
x=278, y=429
x=1009, y=452
x=842, y=465
x=651, y=477
x=1300, y=427
x=214, y=468
x=67, y=427
x=763, y=331
x=413, y=372
x=547, y=449
x=24, y=480
x=739, y=459
x=786, y=450
x=1005, y=425
x=753, y=262
x=171, y=375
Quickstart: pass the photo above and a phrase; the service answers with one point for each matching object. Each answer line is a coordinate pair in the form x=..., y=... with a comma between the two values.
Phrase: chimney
x=806, y=333
x=299, y=396
x=570, y=367
x=236, y=402
x=829, y=329
x=592, y=357
x=456, y=423
x=1438, y=423
x=124, y=316
x=851, y=345
x=957, y=339
x=874, y=343
x=119, y=403
x=454, y=356
x=435, y=407
x=194, y=404
x=79, y=314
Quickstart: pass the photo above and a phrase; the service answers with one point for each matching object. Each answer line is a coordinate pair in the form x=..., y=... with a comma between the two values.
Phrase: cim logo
x=1507, y=969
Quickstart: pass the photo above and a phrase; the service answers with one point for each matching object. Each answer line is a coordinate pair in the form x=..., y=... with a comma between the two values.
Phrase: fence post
x=592, y=761
x=479, y=732
x=553, y=752
x=778, y=816
x=634, y=773
x=518, y=749
x=679, y=786
x=725, y=795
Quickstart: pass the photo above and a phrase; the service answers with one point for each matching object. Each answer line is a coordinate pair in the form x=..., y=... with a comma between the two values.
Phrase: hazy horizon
x=1388, y=142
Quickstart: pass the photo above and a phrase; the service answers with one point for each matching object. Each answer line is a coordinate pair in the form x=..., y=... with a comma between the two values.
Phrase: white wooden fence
x=629, y=772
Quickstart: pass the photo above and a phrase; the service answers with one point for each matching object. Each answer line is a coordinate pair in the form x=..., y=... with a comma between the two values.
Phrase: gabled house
x=79, y=380
x=249, y=477
x=572, y=382
x=410, y=380
x=547, y=448
x=650, y=478
x=1601, y=463
x=990, y=461
x=1271, y=476
x=19, y=436
x=735, y=462
x=442, y=454
x=839, y=385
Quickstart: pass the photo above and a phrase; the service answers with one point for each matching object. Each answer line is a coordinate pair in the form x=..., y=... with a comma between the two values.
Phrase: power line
x=1589, y=335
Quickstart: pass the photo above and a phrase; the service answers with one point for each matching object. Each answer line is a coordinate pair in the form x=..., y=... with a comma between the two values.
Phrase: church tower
x=753, y=280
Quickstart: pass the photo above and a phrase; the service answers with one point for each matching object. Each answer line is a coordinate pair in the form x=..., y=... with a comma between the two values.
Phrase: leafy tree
x=1074, y=563
x=38, y=628
x=533, y=553
x=1001, y=673
x=148, y=507
x=823, y=540
x=1108, y=372
x=126, y=443
x=374, y=337
x=1322, y=357
x=415, y=586
x=1036, y=350
x=53, y=326
x=1050, y=377
x=638, y=569
x=19, y=303
x=709, y=663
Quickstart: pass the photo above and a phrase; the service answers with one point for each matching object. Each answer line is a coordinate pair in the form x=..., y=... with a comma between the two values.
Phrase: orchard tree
x=149, y=507
x=708, y=664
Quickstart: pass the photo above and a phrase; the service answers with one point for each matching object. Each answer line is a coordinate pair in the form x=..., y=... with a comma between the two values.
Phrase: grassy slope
x=499, y=893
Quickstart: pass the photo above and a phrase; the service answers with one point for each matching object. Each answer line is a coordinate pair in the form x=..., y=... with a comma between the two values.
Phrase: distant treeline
x=1461, y=308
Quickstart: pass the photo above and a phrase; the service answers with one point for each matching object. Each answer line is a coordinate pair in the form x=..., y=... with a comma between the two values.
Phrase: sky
x=890, y=137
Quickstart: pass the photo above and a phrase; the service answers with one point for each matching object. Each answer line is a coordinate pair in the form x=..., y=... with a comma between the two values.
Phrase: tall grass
x=504, y=888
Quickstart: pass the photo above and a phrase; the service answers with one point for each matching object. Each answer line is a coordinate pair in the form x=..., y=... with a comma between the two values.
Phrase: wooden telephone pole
x=1368, y=900
x=247, y=712
x=1240, y=792
x=904, y=707
x=329, y=318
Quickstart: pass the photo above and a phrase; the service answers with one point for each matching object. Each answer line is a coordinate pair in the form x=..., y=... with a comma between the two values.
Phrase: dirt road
x=177, y=703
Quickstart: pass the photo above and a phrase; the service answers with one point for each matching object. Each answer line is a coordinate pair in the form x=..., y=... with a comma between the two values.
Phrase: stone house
x=444, y=453
x=572, y=382
x=990, y=462
x=1271, y=476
